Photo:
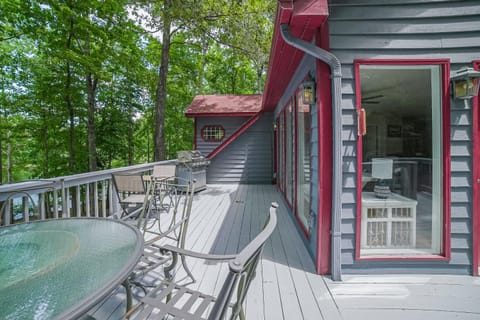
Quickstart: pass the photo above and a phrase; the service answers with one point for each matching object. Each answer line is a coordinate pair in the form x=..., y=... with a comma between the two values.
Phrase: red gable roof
x=217, y=105
x=304, y=18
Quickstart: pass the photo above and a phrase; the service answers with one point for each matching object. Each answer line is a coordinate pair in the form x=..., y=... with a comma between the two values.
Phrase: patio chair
x=131, y=192
x=180, y=302
x=165, y=221
x=164, y=171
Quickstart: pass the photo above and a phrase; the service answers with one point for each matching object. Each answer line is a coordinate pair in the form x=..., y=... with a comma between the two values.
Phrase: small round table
x=59, y=269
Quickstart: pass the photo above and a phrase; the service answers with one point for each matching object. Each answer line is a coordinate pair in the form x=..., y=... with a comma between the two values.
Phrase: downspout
x=336, y=77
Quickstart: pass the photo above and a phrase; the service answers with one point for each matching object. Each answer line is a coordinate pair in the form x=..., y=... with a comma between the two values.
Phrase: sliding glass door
x=401, y=167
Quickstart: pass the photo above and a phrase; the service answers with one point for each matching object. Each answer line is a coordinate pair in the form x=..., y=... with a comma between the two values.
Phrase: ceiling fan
x=372, y=99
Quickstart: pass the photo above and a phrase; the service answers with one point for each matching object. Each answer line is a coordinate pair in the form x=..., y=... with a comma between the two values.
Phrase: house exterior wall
x=307, y=65
x=383, y=29
x=230, y=124
x=248, y=159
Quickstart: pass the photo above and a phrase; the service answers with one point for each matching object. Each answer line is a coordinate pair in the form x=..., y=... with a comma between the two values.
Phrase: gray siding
x=230, y=124
x=408, y=29
x=248, y=159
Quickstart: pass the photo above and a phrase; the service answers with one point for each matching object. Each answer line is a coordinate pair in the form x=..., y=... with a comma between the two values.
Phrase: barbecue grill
x=193, y=165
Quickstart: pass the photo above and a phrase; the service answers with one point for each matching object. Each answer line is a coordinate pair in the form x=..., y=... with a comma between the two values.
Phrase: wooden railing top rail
x=42, y=185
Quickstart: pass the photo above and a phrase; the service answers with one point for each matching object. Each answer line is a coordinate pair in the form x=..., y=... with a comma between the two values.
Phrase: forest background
x=87, y=85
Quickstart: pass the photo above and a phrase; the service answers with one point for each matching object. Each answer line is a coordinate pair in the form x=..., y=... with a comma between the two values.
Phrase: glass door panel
x=401, y=160
x=303, y=162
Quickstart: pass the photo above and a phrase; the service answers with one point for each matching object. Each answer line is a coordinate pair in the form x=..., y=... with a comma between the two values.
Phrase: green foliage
x=51, y=49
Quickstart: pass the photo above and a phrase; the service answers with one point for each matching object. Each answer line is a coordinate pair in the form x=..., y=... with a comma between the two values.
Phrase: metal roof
x=229, y=105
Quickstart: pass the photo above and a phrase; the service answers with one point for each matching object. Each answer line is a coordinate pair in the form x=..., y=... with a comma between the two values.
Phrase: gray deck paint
x=248, y=159
x=225, y=217
x=409, y=29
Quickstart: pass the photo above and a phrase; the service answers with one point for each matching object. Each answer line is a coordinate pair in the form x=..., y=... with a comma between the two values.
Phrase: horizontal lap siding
x=408, y=29
x=248, y=159
x=230, y=124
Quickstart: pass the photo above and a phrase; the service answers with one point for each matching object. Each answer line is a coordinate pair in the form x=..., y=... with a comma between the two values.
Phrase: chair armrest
x=205, y=256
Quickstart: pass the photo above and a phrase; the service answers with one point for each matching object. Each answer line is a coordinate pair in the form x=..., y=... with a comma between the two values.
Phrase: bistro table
x=59, y=269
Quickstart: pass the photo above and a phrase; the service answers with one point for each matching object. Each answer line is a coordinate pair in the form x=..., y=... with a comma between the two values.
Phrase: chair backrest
x=242, y=271
x=164, y=170
x=128, y=183
x=174, y=198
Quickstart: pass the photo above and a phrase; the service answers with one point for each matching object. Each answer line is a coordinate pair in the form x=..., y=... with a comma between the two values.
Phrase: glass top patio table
x=59, y=269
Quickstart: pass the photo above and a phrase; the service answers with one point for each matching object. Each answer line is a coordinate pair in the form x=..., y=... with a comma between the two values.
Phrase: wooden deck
x=226, y=217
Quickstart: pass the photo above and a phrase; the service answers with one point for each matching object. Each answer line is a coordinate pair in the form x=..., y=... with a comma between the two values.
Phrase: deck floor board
x=226, y=217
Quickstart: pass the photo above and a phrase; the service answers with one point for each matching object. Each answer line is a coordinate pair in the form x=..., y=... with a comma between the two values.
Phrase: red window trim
x=209, y=126
x=445, y=253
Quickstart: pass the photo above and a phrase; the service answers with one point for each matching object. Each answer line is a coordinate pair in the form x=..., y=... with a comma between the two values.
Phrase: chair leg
x=184, y=264
x=242, y=313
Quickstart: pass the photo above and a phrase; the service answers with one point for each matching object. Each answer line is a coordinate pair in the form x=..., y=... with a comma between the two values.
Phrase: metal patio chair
x=164, y=171
x=164, y=220
x=171, y=300
x=131, y=192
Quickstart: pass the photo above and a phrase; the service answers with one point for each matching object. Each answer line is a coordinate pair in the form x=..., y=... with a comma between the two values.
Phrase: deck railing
x=89, y=194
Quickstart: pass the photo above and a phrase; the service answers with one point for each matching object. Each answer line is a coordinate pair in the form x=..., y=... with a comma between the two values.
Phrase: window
x=402, y=160
x=303, y=162
x=213, y=133
x=289, y=150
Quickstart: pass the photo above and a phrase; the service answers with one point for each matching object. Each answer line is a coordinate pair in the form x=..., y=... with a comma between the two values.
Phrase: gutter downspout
x=336, y=76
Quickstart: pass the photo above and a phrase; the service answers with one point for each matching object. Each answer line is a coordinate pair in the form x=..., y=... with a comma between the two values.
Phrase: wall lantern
x=465, y=83
x=308, y=91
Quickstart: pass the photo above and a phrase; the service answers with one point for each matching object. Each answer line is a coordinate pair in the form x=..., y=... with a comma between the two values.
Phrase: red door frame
x=325, y=161
x=475, y=180
x=445, y=253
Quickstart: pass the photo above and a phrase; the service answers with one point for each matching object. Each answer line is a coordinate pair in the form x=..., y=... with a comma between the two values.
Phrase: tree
x=204, y=21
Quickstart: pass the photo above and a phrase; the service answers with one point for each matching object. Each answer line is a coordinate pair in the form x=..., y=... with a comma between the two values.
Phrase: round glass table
x=59, y=269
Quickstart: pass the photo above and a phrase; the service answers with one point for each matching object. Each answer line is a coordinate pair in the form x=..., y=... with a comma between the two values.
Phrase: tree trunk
x=1, y=149
x=1, y=157
x=91, y=83
x=131, y=144
x=9, y=158
x=259, y=79
x=68, y=101
x=91, y=134
x=161, y=98
x=46, y=167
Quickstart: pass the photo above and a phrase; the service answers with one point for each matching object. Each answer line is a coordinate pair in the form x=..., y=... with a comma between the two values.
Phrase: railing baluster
x=95, y=199
x=78, y=208
x=55, y=203
x=111, y=205
x=41, y=205
x=104, y=199
x=87, y=199
x=66, y=203
x=6, y=211
x=26, y=213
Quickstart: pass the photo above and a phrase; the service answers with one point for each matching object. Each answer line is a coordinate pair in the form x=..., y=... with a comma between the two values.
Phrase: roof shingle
x=224, y=105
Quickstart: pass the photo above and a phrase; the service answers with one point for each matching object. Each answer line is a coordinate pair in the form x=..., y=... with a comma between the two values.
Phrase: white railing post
x=41, y=206
x=104, y=199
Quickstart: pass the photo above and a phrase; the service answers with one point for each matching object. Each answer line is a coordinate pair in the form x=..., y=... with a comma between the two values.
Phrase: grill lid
x=193, y=158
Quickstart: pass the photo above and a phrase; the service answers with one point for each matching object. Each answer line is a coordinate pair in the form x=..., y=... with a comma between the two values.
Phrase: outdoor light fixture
x=465, y=83
x=308, y=91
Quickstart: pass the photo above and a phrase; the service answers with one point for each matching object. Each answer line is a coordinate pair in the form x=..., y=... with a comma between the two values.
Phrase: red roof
x=304, y=18
x=217, y=105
